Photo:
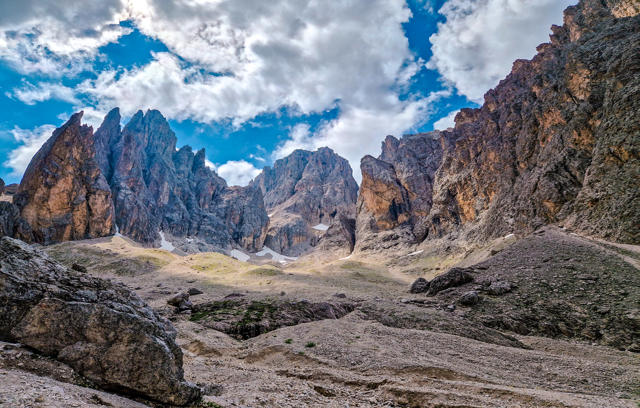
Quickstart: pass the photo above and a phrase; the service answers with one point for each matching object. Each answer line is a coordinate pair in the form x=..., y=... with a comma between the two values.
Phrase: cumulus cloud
x=30, y=142
x=446, y=122
x=57, y=38
x=237, y=172
x=30, y=94
x=480, y=39
x=359, y=131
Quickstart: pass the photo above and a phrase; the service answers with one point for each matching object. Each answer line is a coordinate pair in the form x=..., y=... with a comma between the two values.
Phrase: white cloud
x=30, y=142
x=208, y=163
x=446, y=122
x=30, y=94
x=57, y=38
x=480, y=39
x=237, y=173
x=360, y=131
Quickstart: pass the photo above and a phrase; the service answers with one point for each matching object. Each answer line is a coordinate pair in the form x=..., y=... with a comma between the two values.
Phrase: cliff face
x=80, y=185
x=157, y=188
x=63, y=194
x=558, y=140
x=303, y=191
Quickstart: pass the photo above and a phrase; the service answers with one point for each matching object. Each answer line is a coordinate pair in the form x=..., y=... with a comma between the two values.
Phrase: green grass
x=288, y=341
x=310, y=344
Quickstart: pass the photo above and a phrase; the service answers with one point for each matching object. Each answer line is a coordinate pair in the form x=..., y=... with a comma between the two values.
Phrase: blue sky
x=249, y=81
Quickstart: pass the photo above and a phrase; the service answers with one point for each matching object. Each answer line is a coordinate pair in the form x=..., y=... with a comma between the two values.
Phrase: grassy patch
x=288, y=341
x=310, y=344
x=261, y=272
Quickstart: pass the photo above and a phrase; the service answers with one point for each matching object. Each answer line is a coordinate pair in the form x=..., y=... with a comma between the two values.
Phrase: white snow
x=346, y=257
x=117, y=234
x=321, y=227
x=164, y=244
x=276, y=256
x=509, y=236
x=416, y=253
x=239, y=255
x=189, y=240
x=270, y=215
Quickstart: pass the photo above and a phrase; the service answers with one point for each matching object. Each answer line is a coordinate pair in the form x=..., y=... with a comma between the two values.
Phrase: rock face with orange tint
x=63, y=195
x=558, y=140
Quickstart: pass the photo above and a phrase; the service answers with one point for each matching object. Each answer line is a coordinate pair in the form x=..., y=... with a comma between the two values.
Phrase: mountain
x=80, y=185
x=306, y=193
x=63, y=195
x=158, y=188
x=557, y=141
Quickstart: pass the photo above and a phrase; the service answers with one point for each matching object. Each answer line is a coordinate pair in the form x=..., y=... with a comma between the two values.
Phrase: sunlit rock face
x=80, y=185
x=305, y=193
x=556, y=141
x=63, y=195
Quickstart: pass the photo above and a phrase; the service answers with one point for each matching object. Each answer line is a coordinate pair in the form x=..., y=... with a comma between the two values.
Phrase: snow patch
x=271, y=215
x=117, y=234
x=346, y=257
x=416, y=253
x=320, y=227
x=239, y=255
x=276, y=256
x=509, y=236
x=164, y=244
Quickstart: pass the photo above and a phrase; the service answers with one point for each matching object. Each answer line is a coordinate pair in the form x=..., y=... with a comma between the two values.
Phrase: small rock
x=194, y=291
x=211, y=389
x=451, y=308
x=79, y=268
x=420, y=285
x=498, y=288
x=181, y=301
x=469, y=298
x=233, y=295
x=340, y=295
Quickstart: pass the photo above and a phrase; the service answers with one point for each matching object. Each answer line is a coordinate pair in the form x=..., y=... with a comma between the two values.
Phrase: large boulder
x=452, y=278
x=101, y=329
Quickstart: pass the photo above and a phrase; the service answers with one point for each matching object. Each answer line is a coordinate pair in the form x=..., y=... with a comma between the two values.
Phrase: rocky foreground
x=549, y=319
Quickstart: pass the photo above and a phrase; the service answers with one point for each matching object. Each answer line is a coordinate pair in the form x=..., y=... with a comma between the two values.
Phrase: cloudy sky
x=252, y=80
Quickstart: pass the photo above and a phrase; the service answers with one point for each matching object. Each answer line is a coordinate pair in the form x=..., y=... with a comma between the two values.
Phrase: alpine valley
x=492, y=264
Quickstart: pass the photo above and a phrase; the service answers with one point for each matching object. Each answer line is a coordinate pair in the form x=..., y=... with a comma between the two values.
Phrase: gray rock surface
x=101, y=329
x=303, y=190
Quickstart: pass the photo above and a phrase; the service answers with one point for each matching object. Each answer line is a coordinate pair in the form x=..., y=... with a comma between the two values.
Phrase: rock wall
x=158, y=188
x=303, y=190
x=63, y=195
x=557, y=141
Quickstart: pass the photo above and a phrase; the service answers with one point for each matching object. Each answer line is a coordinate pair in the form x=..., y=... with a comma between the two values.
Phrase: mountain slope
x=558, y=140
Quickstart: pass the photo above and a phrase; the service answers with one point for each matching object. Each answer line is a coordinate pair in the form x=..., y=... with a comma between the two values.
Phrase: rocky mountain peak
x=63, y=194
x=302, y=191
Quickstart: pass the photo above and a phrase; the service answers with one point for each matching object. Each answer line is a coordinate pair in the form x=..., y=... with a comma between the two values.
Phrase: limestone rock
x=452, y=278
x=101, y=329
x=158, y=188
x=1, y=186
x=63, y=194
x=555, y=141
x=306, y=190
x=420, y=285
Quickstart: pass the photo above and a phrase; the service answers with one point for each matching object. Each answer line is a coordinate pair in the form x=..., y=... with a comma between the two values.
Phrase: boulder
x=420, y=285
x=101, y=329
x=469, y=298
x=498, y=288
x=181, y=301
x=453, y=277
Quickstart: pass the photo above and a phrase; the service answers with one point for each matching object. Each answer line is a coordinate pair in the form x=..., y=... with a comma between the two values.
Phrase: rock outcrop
x=306, y=190
x=63, y=195
x=158, y=188
x=396, y=191
x=557, y=141
x=101, y=329
x=1, y=186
